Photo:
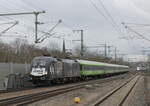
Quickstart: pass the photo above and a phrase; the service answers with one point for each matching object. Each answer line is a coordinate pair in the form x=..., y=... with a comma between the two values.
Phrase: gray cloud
x=79, y=14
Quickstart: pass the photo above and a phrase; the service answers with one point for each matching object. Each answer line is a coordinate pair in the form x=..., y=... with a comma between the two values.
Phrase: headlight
x=45, y=72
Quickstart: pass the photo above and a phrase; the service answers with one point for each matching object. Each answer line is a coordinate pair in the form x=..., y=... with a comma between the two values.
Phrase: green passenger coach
x=89, y=68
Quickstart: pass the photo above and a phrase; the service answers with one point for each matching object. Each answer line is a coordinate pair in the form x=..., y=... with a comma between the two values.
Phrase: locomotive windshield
x=38, y=62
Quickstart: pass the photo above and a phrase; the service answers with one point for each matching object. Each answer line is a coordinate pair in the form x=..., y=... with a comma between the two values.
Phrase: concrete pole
x=36, y=23
x=105, y=46
x=115, y=54
x=82, y=48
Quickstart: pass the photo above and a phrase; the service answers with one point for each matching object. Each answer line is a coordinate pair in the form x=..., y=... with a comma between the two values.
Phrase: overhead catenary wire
x=117, y=10
x=127, y=26
x=7, y=23
x=13, y=7
x=98, y=10
x=4, y=31
x=26, y=6
x=26, y=18
x=141, y=28
x=16, y=6
x=31, y=4
x=106, y=18
x=137, y=24
x=34, y=6
x=12, y=19
x=46, y=35
x=122, y=18
x=131, y=40
x=40, y=31
x=137, y=33
x=113, y=21
x=109, y=15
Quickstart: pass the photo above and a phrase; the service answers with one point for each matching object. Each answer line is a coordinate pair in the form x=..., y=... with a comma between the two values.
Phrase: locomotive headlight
x=46, y=72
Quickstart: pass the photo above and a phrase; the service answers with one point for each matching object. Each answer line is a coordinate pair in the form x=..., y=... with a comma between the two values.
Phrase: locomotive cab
x=40, y=67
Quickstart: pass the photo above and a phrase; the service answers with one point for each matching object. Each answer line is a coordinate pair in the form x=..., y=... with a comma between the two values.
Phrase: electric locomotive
x=49, y=69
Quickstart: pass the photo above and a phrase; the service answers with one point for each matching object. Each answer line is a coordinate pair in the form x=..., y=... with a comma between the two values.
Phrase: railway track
x=30, y=98
x=119, y=95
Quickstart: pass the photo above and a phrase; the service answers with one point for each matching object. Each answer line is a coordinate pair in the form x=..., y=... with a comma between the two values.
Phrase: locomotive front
x=39, y=69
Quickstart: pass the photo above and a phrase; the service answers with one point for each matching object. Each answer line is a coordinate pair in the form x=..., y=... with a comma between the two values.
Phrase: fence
x=7, y=69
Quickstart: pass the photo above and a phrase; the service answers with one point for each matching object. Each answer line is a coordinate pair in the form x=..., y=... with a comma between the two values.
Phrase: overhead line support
x=82, y=45
x=27, y=13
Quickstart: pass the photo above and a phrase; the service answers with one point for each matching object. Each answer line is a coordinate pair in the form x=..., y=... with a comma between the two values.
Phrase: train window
x=99, y=67
x=88, y=67
x=39, y=62
x=108, y=68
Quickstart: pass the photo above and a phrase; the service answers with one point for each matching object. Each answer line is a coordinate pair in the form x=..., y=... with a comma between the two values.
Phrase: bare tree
x=54, y=49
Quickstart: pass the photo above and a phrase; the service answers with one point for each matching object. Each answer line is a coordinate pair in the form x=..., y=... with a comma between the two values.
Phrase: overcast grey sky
x=81, y=14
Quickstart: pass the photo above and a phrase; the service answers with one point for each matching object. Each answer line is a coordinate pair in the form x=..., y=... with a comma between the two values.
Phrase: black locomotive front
x=40, y=67
x=48, y=69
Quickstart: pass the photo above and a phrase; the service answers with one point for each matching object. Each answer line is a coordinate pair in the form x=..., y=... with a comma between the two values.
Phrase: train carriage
x=91, y=68
x=49, y=69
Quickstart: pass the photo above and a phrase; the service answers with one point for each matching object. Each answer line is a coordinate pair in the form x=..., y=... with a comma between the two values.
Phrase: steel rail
x=109, y=94
x=126, y=96
x=30, y=98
